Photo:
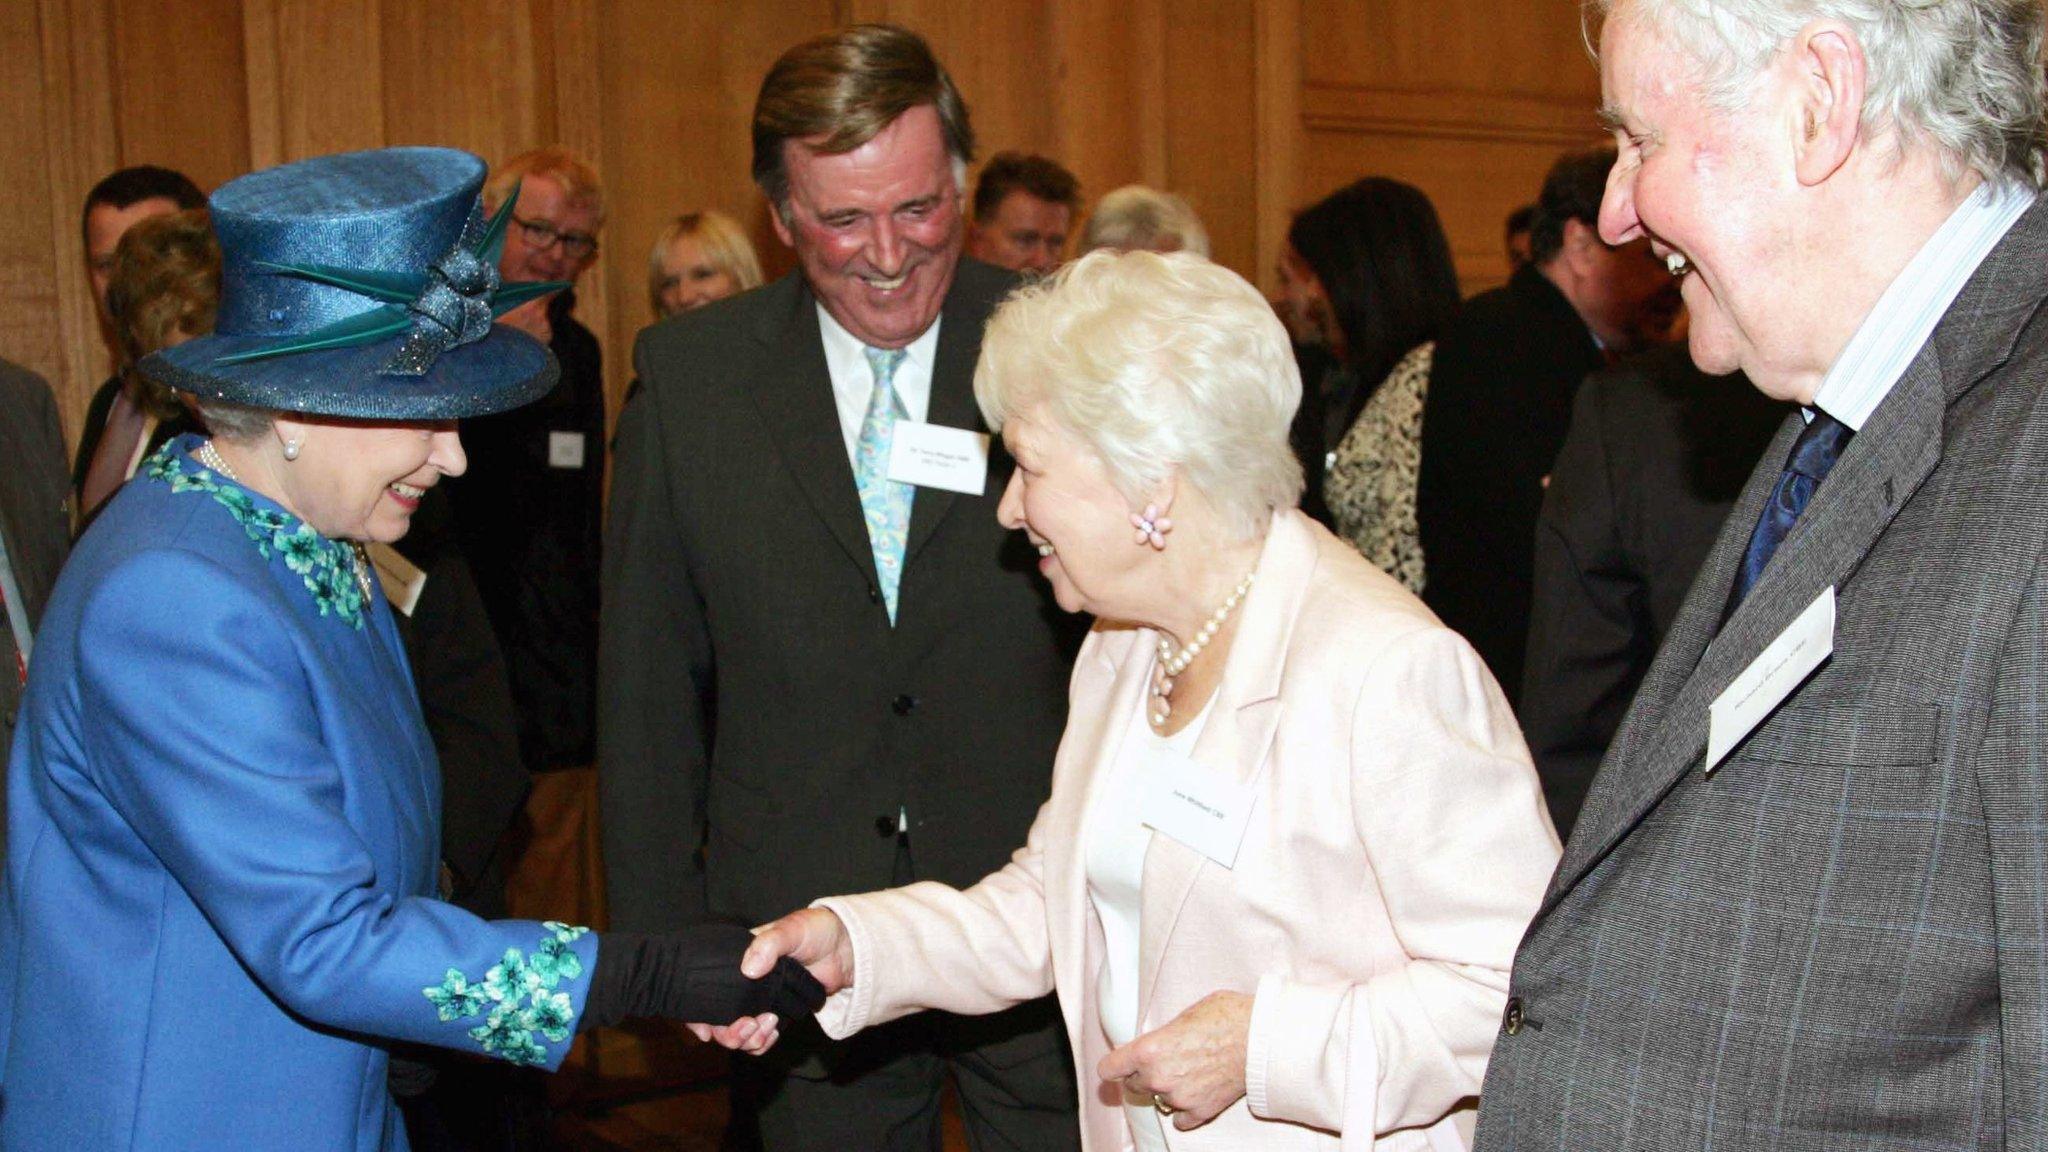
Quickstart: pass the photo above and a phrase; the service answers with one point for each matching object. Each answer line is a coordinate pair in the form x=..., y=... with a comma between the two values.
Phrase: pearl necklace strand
x=1171, y=663
x=211, y=457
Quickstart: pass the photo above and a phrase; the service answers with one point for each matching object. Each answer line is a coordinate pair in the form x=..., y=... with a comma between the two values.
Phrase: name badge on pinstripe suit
x=1779, y=669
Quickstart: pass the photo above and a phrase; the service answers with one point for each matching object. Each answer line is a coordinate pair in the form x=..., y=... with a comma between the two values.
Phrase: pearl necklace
x=211, y=457
x=1171, y=663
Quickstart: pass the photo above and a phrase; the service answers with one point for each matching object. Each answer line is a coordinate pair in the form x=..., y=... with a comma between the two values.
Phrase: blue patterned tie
x=884, y=503
x=1814, y=454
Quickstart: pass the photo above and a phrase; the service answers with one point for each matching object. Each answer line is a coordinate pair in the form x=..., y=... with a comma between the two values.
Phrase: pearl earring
x=291, y=448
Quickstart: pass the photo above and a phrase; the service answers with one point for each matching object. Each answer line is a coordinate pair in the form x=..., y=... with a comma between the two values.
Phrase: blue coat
x=223, y=836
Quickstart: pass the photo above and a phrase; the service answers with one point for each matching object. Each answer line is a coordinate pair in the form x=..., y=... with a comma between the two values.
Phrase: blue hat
x=363, y=285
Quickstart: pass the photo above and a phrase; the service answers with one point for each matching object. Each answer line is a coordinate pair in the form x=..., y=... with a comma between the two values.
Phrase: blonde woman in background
x=700, y=257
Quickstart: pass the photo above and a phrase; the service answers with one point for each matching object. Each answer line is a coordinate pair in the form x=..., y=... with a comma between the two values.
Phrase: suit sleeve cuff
x=1309, y=1056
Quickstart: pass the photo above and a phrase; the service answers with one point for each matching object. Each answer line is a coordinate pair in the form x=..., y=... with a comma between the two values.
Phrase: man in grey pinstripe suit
x=1815, y=914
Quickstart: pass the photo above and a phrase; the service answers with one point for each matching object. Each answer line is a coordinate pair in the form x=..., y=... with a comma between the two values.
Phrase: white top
x=1116, y=847
x=853, y=382
x=1898, y=327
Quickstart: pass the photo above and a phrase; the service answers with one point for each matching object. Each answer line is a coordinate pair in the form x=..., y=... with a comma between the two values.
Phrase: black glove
x=692, y=975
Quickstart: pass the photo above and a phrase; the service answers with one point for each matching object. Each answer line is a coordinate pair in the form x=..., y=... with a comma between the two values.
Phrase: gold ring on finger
x=1160, y=1105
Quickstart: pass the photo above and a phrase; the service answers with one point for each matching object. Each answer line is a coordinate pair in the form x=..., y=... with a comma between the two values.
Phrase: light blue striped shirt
x=1898, y=327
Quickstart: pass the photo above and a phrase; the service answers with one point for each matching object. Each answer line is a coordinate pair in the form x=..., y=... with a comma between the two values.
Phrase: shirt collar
x=843, y=349
x=1905, y=316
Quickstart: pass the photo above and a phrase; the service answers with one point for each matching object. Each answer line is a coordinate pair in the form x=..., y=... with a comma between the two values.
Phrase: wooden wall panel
x=28, y=275
x=50, y=323
x=1211, y=121
x=1249, y=107
x=1470, y=100
x=330, y=77
x=180, y=92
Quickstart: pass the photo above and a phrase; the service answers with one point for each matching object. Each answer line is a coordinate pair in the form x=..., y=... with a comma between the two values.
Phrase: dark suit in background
x=1500, y=398
x=1656, y=452
x=764, y=725
x=529, y=519
x=35, y=521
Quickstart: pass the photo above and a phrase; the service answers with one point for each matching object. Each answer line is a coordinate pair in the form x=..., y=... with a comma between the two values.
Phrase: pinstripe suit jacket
x=1840, y=938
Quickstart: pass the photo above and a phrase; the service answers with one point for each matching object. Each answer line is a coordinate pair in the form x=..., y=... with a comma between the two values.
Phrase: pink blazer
x=1396, y=852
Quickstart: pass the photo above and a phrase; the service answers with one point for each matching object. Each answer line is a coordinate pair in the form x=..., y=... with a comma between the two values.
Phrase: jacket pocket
x=1902, y=736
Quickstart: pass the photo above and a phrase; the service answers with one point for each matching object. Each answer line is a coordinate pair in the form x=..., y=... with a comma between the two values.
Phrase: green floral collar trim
x=328, y=567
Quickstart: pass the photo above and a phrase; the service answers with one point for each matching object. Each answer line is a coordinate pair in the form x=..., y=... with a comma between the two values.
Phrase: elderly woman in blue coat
x=223, y=804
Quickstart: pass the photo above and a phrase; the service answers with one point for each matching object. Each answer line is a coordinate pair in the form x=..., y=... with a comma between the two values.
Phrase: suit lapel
x=795, y=401
x=952, y=405
x=1665, y=733
x=1239, y=732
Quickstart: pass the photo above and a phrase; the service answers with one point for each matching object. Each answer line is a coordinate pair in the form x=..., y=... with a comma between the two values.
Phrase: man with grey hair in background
x=816, y=676
x=1806, y=903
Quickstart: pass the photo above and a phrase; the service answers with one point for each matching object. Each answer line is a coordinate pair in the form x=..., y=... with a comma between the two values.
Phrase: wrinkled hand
x=1195, y=1063
x=813, y=937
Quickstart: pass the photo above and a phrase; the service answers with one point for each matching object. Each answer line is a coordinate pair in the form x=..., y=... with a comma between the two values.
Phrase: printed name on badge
x=1770, y=678
x=935, y=456
x=1200, y=807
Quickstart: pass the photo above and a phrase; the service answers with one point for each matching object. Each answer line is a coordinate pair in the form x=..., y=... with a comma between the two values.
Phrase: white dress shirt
x=1905, y=316
x=853, y=382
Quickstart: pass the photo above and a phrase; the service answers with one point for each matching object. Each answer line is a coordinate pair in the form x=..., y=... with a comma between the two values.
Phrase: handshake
x=695, y=974
x=749, y=982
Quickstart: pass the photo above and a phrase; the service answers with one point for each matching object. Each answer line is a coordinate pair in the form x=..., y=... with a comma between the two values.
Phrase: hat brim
x=504, y=370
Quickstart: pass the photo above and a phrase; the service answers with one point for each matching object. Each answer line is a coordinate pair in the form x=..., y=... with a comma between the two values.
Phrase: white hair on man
x=1135, y=218
x=1154, y=362
x=1963, y=76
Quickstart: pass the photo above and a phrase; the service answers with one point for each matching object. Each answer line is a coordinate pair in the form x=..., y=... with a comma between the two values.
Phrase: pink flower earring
x=1152, y=527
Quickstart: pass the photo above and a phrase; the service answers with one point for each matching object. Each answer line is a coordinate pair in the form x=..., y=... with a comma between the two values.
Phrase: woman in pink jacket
x=1293, y=836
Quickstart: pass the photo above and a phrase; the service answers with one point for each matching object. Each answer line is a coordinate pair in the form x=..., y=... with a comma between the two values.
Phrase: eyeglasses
x=541, y=234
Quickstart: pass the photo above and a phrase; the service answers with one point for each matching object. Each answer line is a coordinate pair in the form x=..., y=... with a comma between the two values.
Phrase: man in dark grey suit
x=1806, y=903
x=816, y=679
x=35, y=532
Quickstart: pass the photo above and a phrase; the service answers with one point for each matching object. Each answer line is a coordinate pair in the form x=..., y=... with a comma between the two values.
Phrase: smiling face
x=689, y=278
x=363, y=481
x=1715, y=187
x=1060, y=495
x=877, y=230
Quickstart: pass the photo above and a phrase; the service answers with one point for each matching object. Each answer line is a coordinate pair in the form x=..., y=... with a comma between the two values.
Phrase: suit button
x=904, y=705
x=874, y=594
x=1511, y=1020
x=885, y=826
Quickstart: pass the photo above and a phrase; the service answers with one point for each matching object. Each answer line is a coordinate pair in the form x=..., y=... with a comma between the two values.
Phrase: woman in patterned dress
x=1368, y=272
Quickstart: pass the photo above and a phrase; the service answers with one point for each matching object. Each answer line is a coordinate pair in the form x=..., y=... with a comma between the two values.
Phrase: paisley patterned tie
x=884, y=503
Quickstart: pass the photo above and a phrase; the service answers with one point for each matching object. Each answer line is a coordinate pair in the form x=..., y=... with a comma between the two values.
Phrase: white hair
x=1964, y=76
x=1155, y=362
x=1137, y=218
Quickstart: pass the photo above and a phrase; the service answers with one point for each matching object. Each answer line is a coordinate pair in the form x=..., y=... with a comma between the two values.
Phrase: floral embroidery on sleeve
x=328, y=567
x=519, y=994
